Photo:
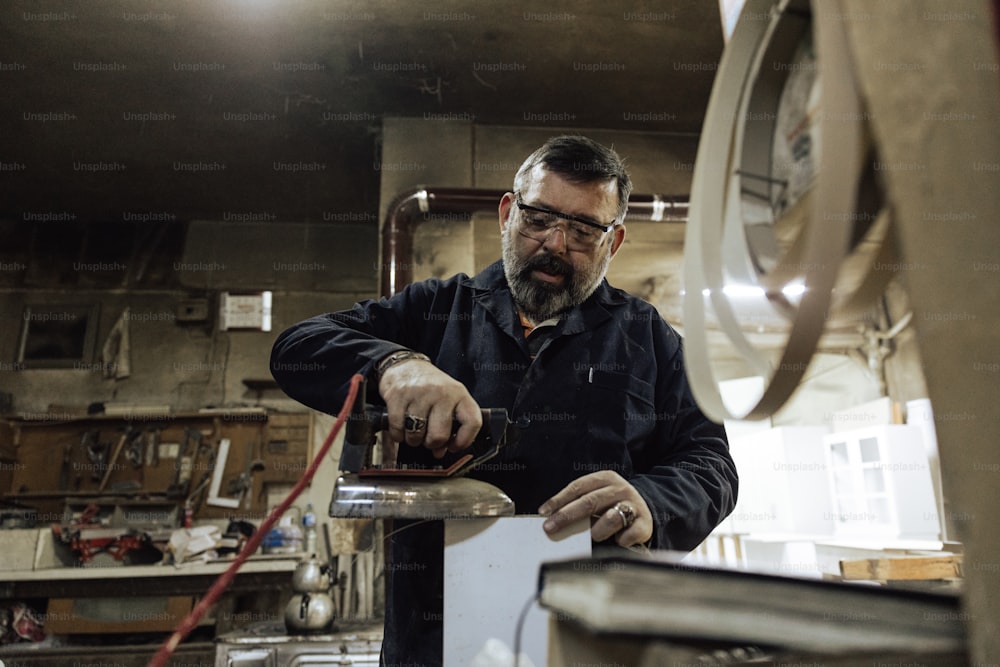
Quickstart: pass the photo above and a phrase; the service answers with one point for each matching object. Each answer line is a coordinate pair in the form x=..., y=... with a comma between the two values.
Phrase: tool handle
x=111, y=462
x=492, y=436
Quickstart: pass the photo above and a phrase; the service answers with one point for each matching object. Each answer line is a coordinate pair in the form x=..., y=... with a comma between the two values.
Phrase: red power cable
x=191, y=620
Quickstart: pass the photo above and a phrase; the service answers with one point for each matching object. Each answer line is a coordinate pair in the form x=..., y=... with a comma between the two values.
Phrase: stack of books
x=683, y=612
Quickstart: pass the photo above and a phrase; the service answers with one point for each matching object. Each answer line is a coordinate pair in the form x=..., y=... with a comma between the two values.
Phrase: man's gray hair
x=579, y=160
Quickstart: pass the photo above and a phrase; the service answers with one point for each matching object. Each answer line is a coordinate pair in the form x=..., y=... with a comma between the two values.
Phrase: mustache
x=549, y=264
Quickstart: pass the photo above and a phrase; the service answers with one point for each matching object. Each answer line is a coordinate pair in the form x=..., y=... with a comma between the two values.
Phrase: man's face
x=555, y=272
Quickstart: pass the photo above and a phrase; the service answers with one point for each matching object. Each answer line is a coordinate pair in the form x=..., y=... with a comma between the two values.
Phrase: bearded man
x=592, y=377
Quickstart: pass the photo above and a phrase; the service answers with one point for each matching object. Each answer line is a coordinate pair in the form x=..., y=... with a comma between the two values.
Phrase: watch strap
x=397, y=358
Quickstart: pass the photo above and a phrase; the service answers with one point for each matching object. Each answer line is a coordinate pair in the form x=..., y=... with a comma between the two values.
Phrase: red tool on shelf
x=87, y=538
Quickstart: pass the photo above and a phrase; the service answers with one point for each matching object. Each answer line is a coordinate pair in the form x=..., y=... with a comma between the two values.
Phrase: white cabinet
x=880, y=481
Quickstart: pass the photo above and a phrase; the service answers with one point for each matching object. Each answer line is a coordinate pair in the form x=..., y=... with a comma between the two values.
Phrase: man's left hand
x=605, y=496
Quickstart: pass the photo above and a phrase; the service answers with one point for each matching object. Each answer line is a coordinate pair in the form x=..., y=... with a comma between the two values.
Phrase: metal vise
x=366, y=421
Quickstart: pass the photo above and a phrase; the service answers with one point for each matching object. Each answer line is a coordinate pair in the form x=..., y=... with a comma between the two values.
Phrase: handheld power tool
x=410, y=491
x=366, y=421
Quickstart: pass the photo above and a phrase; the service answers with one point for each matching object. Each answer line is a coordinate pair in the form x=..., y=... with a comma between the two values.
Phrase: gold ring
x=626, y=513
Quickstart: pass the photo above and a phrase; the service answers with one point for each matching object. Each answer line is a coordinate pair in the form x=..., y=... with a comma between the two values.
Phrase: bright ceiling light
x=739, y=291
x=743, y=291
x=793, y=289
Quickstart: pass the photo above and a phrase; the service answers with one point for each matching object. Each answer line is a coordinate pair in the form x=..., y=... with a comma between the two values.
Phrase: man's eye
x=582, y=232
x=540, y=222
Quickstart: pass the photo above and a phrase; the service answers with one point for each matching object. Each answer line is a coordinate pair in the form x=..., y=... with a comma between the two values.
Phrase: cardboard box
x=19, y=546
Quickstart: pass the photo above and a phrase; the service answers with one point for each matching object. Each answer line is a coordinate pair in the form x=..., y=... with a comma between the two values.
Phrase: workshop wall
x=182, y=364
x=323, y=265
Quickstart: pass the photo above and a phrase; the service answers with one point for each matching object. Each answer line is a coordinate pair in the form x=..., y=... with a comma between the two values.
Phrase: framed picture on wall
x=57, y=336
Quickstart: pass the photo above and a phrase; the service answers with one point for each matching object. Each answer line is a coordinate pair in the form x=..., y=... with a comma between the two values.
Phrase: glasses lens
x=537, y=225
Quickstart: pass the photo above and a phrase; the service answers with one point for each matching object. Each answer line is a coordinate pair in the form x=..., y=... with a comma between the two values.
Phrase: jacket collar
x=493, y=293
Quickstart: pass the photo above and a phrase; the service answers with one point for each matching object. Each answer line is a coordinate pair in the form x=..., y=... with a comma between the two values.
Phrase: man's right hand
x=419, y=389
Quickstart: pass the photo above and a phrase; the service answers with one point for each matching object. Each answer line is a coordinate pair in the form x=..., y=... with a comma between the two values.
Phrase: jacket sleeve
x=687, y=477
x=313, y=361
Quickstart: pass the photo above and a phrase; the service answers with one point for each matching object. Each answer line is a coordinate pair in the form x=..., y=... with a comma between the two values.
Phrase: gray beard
x=539, y=300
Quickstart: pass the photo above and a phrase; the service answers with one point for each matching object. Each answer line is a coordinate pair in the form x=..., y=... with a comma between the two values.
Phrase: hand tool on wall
x=184, y=464
x=135, y=449
x=153, y=446
x=192, y=449
x=197, y=496
x=88, y=439
x=205, y=456
x=238, y=487
x=242, y=485
x=97, y=454
x=64, y=471
x=127, y=435
x=135, y=453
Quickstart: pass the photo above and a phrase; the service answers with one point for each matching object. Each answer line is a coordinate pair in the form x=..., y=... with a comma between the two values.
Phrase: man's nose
x=555, y=242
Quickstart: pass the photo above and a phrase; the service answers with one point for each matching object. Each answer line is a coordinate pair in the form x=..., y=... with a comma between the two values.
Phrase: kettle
x=309, y=612
x=311, y=609
x=311, y=577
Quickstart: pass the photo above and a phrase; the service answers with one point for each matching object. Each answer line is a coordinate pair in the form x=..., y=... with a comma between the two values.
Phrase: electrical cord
x=218, y=588
x=519, y=628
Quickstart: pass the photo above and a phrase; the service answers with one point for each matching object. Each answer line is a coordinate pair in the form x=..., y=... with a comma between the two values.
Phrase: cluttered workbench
x=87, y=499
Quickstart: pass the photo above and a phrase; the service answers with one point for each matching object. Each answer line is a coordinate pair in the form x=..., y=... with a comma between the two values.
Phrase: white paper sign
x=490, y=574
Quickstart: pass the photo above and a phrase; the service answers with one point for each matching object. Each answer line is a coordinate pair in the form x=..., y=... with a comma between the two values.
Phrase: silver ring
x=626, y=513
x=414, y=424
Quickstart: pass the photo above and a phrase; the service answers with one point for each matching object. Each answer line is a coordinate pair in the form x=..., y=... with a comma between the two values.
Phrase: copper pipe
x=658, y=208
x=409, y=209
x=412, y=207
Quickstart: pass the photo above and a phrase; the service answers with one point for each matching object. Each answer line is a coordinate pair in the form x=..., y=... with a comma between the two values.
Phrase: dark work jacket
x=606, y=392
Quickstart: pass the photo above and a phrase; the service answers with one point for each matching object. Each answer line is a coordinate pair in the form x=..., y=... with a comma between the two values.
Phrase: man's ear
x=617, y=239
x=504, y=210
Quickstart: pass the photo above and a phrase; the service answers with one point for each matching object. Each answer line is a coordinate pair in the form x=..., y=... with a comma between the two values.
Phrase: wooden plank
x=903, y=568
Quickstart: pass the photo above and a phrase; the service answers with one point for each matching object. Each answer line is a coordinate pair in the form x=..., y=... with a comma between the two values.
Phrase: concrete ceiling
x=185, y=110
x=198, y=109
